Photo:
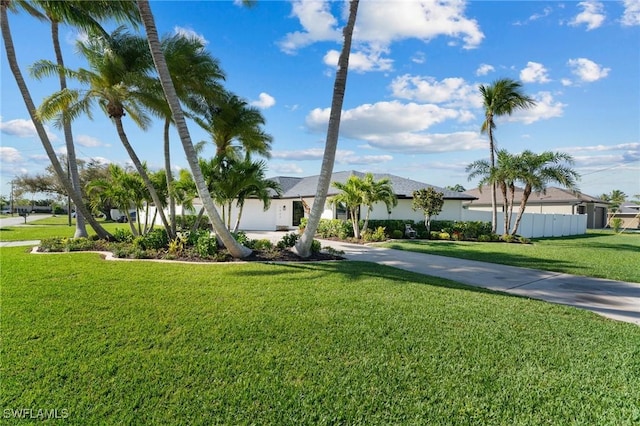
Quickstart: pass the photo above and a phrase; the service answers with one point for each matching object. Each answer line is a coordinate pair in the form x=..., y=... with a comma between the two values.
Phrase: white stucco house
x=298, y=195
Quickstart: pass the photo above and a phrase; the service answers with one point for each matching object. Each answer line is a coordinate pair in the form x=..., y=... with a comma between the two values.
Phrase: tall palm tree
x=195, y=75
x=60, y=173
x=536, y=171
x=352, y=196
x=256, y=186
x=502, y=97
x=86, y=16
x=303, y=246
x=235, y=127
x=235, y=249
x=119, y=65
x=377, y=191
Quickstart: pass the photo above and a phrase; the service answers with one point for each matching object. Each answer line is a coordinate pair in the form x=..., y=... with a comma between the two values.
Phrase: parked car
x=123, y=218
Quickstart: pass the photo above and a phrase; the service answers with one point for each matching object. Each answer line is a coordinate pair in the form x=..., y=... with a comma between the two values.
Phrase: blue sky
x=412, y=106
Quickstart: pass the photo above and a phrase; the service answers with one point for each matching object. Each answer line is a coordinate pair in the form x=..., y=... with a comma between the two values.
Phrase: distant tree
x=430, y=202
x=502, y=97
x=615, y=198
x=457, y=188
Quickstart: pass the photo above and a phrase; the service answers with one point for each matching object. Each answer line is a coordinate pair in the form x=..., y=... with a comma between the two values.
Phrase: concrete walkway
x=613, y=299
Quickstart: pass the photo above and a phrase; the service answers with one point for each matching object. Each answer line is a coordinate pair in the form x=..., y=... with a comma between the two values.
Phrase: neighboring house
x=630, y=215
x=555, y=200
x=298, y=194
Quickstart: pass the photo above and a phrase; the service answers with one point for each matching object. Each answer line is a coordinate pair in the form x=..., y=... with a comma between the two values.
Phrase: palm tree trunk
x=512, y=196
x=42, y=134
x=237, y=224
x=365, y=226
x=196, y=223
x=81, y=230
x=303, y=246
x=235, y=249
x=143, y=174
x=505, y=207
x=354, y=223
x=523, y=205
x=169, y=176
x=492, y=159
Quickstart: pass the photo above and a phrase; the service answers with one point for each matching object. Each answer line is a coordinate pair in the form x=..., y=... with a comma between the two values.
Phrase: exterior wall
x=536, y=225
x=629, y=220
x=451, y=210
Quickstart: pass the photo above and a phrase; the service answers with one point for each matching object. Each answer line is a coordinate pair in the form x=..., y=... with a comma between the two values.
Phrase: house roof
x=553, y=195
x=403, y=188
x=629, y=208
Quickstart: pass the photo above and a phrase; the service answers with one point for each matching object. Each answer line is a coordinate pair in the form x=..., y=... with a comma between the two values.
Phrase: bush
x=59, y=244
x=616, y=224
x=262, y=244
x=434, y=235
x=185, y=223
x=397, y=234
x=524, y=240
x=316, y=247
x=206, y=246
x=288, y=240
x=334, y=228
x=122, y=235
x=444, y=236
x=242, y=238
x=508, y=238
x=154, y=240
x=485, y=238
x=375, y=236
x=176, y=246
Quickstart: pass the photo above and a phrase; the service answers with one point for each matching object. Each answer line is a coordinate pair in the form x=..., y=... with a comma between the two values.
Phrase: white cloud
x=190, y=34
x=546, y=107
x=265, y=101
x=382, y=118
x=362, y=61
x=419, y=58
x=631, y=15
x=342, y=156
x=421, y=143
x=381, y=23
x=484, y=69
x=88, y=141
x=587, y=70
x=534, y=73
x=566, y=82
x=23, y=129
x=318, y=24
x=592, y=15
x=452, y=92
x=286, y=168
x=10, y=155
x=545, y=12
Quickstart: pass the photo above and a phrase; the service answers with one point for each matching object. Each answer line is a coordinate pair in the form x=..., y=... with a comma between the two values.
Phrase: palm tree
x=117, y=78
x=502, y=97
x=184, y=191
x=84, y=15
x=377, y=191
x=352, y=195
x=235, y=249
x=73, y=192
x=303, y=246
x=256, y=186
x=536, y=171
x=234, y=126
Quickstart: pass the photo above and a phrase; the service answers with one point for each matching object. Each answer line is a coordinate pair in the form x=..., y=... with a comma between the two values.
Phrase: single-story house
x=630, y=215
x=298, y=194
x=554, y=200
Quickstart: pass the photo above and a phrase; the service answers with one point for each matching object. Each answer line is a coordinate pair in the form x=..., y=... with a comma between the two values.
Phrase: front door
x=298, y=212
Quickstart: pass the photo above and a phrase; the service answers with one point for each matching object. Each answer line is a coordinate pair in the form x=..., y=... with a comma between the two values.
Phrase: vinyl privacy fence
x=536, y=225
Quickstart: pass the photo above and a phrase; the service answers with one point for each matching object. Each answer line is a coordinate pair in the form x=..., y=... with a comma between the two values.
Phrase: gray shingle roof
x=552, y=195
x=404, y=188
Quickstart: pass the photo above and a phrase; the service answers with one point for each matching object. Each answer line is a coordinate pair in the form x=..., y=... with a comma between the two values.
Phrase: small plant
x=242, y=238
x=508, y=238
x=176, y=246
x=316, y=246
x=263, y=245
x=206, y=246
x=524, y=240
x=616, y=224
x=485, y=238
x=396, y=234
x=122, y=236
x=333, y=251
x=444, y=236
x=288, y=240
x=375, y=236
x=457, y=236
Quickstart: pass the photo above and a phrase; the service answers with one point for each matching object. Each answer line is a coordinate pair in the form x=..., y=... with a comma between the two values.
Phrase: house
x=298, y=194
x=630, y=215
x=554, y=200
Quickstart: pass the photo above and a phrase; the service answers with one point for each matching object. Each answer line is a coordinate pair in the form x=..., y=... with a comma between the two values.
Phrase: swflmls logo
x=32, y=413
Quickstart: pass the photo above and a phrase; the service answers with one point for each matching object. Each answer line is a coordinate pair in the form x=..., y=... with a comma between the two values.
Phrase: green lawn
x=48, y=228
x=321, y=343
x=596, y=254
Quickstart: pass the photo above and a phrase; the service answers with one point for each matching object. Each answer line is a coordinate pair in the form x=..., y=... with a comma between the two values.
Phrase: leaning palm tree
x=119, y=66
x=502, y=97
x=303, y=246
x=536, y=171
x=86, y=16
x=74, y=193
x=235, y=249
x=376, y=191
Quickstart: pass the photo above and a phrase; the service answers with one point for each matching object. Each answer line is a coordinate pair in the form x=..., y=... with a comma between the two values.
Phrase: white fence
x=536, y=225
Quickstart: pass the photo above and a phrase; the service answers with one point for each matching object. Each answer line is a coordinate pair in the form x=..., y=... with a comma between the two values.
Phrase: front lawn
x=322, y=343
x=596, y=254
x=51, y=227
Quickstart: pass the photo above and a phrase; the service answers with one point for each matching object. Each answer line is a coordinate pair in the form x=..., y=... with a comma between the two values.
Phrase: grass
x=49, y=228
x=322, y=343
x=595, y=254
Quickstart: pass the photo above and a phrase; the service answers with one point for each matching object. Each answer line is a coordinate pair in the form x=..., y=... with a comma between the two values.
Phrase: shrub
x=191, y=237
x=176, y=246
x=444, y=236
x=508, y=238
x=262, y=244
x=397, y=234
x=334, y=228
x=484, y=238
x=434, y=235
x=316, y=247
x=206, y=246
x=288, y=240
x=375, y=236
x=242, y=238
x=616, y=224
x=524, y=240
x=185, y=223
x=154, y=240
x=122, y=235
